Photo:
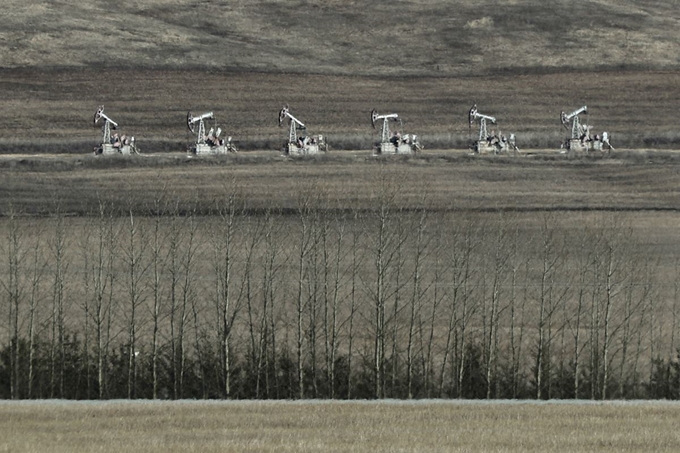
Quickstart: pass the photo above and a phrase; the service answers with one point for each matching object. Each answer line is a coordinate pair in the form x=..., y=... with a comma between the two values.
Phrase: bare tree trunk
x=520, y=339
x=304, y=208
x=84, y=244
x=500, y=261
x=379, y=304
x=416, y=296
x=103, y=279
x=616, y=237
x=437, y=298
x=135, y=267
x=585, y=267
x=607, y=318
x=456, y=265
x=187, y=292
x=266, y=354
x=515, y=313
x=37, y=272
x=595, y=332
x=335, y=302
x=13, y=288
x=157, y=269
x=253, y=237
x=386, y=243
x=394, y=355
x=313, y=282
x=468, y=307
x=675, y=306
x=226, y=309
x=176, y=320
x=58, y=347
x=274, y=269
x=549, y=260
x=356, y=262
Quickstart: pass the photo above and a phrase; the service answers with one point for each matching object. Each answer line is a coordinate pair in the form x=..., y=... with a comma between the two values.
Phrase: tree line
x=334, y=302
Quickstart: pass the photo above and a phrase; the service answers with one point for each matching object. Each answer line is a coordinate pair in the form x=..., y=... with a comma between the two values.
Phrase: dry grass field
x=637, y=181
x=51, y=110
x=411, y=37
x=150, y=61
x=339, y=427
x=523, y=61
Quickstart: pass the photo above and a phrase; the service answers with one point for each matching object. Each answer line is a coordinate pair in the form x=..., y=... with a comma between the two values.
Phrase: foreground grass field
x=338, y=427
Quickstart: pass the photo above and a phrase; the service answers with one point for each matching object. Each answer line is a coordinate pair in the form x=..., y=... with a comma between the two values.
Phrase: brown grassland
x=338, y=427
x=631, y=181
x=51, y=110
x=523, y=61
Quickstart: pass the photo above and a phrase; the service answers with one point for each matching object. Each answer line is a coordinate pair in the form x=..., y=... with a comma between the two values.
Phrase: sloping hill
x=400, y=37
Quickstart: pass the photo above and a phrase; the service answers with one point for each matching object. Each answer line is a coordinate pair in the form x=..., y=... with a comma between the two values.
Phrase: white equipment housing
x=581, y=140
x=210, y=143
x=489, y=143
x=393, y=142
x=300, y=144
x=112, y=144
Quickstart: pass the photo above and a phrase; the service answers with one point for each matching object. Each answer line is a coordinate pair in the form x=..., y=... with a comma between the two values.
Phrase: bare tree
x=385, y=243
x=584, y=261
x=638, y=289
x=551, y=257
x=136, y=268
x=674, y=312
x=157, y=268
x=264, y=324
x=451, y=246
x=102, y=275
x=398, y=284
x=272, y=288
x=13, y=286
x=332, y=265
x=499, y=266
x=304, y=239
x=253, y=237
x=37, y=272
x=192, y=271
x=227, y=307
x=85, y=300
x=59, y=246
x=517, y=321
x=357, y=261
x=615, y=238
x=438, y=295
x=177, y=319
x=187, y=291
x=468, y=306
